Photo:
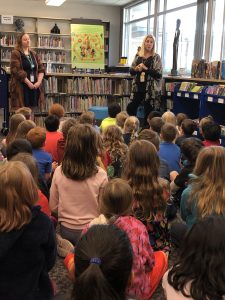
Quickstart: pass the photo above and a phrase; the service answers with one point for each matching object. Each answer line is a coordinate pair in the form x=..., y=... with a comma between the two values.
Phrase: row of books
x=203, y=69
x=8, y=40
x=53, y=56
x=190, y=87
x=216, y=90
x=6, y=54
x=170, y=86
x=51, y=42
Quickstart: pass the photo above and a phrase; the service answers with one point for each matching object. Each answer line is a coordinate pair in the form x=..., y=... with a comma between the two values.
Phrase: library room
x=105, y=101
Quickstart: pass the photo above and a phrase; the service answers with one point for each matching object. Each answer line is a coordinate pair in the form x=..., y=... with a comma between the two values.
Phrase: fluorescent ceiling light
x=54, y=2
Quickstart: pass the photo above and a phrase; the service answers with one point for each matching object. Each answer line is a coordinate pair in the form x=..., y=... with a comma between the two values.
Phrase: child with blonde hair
x=169, y=117
x=130, y=130
x=121, y=118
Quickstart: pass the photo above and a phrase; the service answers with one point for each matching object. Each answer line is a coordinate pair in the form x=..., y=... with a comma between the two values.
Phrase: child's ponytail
x=103, y=262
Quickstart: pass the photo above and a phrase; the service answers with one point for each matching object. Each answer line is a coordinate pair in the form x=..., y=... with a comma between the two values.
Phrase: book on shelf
x=202, y=69
x=187, y=86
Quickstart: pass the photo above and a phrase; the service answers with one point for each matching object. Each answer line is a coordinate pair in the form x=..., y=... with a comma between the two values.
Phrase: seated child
x=31, y=164
x=211, y=132
x=152, y=136
x=27, y=239
x=62, y=141
x=103, y=264
x=188, y=127
x=113, y=110
x=114, y=151
x=148, y=267
x=199, y=272
x=88, y=117
x=169, y=117
x=36, y=137
x=121, y=118
x=130, y=130
x=26, y=111
x=180, y=117
x=167, y=149
x=156, y=124
x=52, y=136
x=59, y=111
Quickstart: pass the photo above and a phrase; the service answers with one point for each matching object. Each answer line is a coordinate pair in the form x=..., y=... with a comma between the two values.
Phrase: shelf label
x=210, y=99
x=6, y=19
x=179, y=94
x=186, y=95
x=195, y=96
x=168, y=93
x=221, y=100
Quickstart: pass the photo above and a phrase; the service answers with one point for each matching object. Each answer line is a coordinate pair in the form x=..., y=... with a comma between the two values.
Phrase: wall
x=69, y=10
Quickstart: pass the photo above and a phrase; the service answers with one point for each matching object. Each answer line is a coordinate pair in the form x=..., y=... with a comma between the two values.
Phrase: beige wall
x=69, y=10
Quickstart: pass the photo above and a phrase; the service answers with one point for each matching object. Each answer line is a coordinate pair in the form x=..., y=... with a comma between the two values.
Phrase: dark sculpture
x=55, y=29
x=174, y=71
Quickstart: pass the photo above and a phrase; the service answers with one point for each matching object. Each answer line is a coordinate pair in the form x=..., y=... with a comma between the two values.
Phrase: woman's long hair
x=103, y=264
x=142, y=51
x=208, y=189
x=141, y=171
x=81, y=150
x=201, y=262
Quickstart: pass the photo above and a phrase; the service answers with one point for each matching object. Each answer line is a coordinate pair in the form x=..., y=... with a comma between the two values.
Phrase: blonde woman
x=146, y=85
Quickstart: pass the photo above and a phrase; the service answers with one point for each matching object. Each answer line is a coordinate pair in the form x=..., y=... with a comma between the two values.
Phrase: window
x=217, y=30
x=165, y=20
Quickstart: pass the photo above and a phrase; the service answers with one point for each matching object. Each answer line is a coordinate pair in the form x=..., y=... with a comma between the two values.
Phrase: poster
x=87, y=46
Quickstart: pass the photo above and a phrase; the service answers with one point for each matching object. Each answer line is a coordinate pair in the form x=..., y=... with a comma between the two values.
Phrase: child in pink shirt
x=77, y=183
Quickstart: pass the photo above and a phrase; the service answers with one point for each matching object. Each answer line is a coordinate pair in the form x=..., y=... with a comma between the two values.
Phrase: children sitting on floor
x=188, y=127
x=148, y=267
x=130, y=130
x=211, y=132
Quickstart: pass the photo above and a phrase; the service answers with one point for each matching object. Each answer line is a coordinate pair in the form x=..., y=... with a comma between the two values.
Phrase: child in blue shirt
x=167, y=149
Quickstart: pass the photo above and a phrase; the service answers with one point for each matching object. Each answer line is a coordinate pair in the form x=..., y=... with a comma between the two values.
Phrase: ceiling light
x=54, y=2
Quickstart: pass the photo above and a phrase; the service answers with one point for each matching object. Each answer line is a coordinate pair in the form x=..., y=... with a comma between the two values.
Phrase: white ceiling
x=102, y=2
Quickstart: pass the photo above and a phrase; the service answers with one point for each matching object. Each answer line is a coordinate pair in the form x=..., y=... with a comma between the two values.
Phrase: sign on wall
x=87, y=46
x=6, y=19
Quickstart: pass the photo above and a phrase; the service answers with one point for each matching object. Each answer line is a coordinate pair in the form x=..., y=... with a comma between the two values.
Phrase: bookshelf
x=54, y=49
x=78, y=92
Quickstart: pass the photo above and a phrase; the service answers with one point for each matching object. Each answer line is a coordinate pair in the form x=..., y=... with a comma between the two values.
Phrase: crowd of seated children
x=27, y=238
x=121, y=118
x=148, y=266
x=114, y=151
x=113, y=110
x=36, y=136
x=52, y=136
x=205, y=193
x=77, y=183
x=188, y=127
x=67, y=124
x=169, y=151
x=130, y=130
x=152, y=136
